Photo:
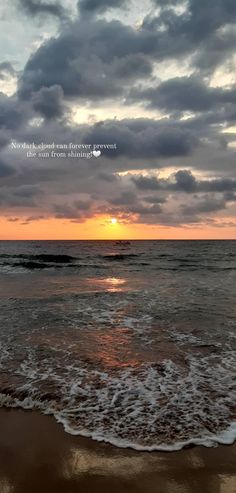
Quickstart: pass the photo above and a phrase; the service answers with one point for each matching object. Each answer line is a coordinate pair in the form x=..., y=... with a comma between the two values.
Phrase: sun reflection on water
x=109, y=284
x=114, y=348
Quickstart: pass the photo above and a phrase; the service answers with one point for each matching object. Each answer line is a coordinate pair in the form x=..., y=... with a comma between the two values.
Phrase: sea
x=130, y=343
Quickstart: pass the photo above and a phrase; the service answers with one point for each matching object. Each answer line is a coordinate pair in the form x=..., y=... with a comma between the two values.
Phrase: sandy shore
x=37, y=456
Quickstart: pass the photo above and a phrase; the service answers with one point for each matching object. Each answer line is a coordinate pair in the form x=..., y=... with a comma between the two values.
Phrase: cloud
x=166, y=3
x=49, y=102
x=96, y=59
x=155, y=199
x=6, y=69
x=28, y=191
x=100, y=6
x=89, y=59
x=25, y=196
x=5, y=169
x=206, y=205
x=147, y=182
x=185, y=94
x=78, y=211
x=125, y=198
x=107, y=177
x=230, y=196
x=13, y=113
x=144, y=211
x=143, y=138
x=183, y=181
x=203, y=29
x=41, y=7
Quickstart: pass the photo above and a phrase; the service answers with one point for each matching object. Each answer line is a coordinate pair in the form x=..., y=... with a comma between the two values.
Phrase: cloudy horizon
x=157, y=82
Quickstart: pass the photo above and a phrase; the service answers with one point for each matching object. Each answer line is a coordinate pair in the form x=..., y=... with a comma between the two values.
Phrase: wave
x=30, y=265
x=42, y=257
x=119, y=256
x=24, y=267
x=194, y=268
x=22, y=262
x=223, y=437
x=157, y=407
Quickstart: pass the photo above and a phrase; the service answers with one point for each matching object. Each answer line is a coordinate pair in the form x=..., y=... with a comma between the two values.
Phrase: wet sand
x=37, y=456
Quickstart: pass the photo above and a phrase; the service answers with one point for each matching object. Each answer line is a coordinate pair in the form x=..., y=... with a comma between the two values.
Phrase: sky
x=150, y=87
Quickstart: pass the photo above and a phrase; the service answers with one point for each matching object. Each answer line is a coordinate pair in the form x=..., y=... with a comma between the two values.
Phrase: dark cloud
x=107, y=177
x=143, y=138
x=4, y=138
x=78, y=211
x=147, y=182
x=183, y=181
x=13, y=113
x=136, y=211
x=5, y=169
x=144, y=210
x=28, y=191
x=155, y=199
x=41, y=7
x=22, y=196
x=166, y=3
x=89, y=59
x=230, y=196
x=125, y=198
x=197, y=30
x=185, y=94
x=91, y=6
x=131, y=67
x=203, y=18
x=204, y=205
x=29, y=219
x=218, y=185
x=49, y=102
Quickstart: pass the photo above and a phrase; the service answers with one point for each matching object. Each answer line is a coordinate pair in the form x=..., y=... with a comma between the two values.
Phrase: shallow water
x=131, y=344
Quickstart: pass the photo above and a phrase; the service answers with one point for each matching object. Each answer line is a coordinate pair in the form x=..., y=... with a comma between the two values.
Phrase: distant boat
x=123, y=243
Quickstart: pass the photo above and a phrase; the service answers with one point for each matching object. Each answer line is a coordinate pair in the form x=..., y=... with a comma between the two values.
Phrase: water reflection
x=228, y=483
x=87, y=461
x=113, y=348
x=114, y=283
x=5, y=486
x=109, y=284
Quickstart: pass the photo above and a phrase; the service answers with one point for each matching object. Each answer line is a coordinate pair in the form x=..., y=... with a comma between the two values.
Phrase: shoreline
x=37, y=455
x=224, y=437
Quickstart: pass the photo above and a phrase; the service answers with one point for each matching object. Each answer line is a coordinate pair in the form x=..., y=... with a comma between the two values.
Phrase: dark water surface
x=132, y=344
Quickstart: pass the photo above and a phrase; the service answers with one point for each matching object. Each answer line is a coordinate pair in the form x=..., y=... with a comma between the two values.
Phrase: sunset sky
x=154, y=80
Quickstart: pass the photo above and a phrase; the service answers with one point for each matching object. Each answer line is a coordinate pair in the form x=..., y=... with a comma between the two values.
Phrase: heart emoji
x=97, y=153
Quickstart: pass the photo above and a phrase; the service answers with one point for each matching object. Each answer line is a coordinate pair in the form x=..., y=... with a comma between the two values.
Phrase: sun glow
x=101, y=228
x=113, y=220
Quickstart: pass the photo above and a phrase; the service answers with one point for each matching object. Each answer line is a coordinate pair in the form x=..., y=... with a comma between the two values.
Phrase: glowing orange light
x=113, y=220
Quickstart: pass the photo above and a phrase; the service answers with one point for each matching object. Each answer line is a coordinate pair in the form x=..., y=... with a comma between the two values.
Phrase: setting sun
x=113, y=220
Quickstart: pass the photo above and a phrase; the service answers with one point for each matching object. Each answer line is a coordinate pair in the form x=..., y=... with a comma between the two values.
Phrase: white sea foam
x=150, y=408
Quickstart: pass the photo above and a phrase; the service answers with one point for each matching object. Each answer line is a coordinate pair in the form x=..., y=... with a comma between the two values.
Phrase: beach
x=37, y=456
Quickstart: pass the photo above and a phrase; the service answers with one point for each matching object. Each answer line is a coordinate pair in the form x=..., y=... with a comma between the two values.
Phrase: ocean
x=131, y=343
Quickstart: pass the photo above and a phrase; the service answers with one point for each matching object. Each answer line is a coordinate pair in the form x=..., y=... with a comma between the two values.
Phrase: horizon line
x=119, y=239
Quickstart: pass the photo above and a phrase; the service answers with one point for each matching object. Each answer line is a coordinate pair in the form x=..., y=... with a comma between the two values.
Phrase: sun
x=114, y=220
